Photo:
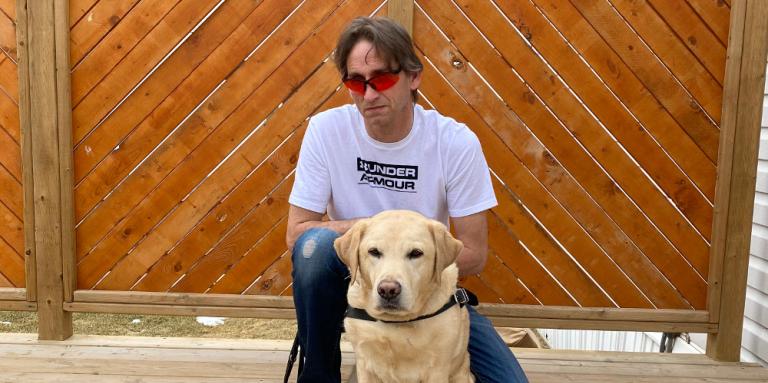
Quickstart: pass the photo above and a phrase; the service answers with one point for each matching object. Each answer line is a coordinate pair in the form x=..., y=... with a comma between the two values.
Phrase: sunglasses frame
x=367, y=83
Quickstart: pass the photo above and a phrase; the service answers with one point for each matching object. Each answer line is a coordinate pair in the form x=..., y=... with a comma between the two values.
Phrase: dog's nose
x=389, y=289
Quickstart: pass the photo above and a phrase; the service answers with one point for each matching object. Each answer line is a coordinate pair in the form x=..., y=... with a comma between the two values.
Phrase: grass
x=156, y=325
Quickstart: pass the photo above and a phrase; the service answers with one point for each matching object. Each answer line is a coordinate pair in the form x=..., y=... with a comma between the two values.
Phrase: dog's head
x=396, y=258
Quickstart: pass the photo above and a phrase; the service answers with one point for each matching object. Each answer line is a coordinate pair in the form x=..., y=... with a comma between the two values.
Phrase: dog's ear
x=447, y=248
x=347, y=247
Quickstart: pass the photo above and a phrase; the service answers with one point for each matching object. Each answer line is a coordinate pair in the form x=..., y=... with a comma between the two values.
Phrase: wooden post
x=402, y=12
x=45, y=116
x=26, y=152
x=737, y=166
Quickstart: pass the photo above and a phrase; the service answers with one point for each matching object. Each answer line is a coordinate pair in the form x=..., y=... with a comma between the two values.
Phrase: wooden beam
x=264, y=306
x=603, y=325
x=13, y=294
x=47, y=80
x=150, y=309
x=402, y=12
x=737, y=162
x=17, y=306
x=183, y=299
x=30, y=281
x=591, y=313
x=66, y=147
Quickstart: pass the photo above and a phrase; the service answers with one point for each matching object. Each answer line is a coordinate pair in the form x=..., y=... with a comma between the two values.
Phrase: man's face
x=380, y=109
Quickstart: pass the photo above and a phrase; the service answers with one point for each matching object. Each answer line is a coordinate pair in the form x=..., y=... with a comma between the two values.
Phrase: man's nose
x=370, y=93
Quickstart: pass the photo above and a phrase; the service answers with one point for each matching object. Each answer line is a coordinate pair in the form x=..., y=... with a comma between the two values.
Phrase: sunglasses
x=379, y=82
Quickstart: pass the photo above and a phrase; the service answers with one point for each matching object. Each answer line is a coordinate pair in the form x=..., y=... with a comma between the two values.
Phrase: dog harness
x=461, y=297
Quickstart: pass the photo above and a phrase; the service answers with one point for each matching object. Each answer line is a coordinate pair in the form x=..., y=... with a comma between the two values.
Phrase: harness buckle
x=461, y=296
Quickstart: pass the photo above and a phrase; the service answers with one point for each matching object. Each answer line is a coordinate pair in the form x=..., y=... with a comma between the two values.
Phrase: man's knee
x=313, y=242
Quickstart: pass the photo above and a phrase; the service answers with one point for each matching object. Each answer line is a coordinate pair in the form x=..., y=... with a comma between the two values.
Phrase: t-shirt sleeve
x=469, y=187
x=312, y=184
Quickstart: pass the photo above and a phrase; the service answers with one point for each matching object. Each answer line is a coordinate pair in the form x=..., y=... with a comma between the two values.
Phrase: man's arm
x=472, y=230
x=300, y=219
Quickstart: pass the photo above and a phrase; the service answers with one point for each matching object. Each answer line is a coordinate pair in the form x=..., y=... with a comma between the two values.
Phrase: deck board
x=112, y=359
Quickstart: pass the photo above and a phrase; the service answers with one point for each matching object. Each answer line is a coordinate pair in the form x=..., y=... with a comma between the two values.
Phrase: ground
x=156, y=325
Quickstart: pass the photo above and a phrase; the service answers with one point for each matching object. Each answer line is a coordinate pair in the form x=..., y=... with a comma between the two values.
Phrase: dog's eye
x=415, y=253
x=374, y=252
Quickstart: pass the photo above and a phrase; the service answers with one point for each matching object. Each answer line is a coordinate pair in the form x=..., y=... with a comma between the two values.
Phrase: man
x=384, y=152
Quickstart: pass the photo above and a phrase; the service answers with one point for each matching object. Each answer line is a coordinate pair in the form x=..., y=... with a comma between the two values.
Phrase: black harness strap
x=461, y=297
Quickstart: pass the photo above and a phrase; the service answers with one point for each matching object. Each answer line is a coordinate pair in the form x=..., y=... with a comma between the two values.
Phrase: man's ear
x=447, y=248
x=415, y=80
x=347, y=247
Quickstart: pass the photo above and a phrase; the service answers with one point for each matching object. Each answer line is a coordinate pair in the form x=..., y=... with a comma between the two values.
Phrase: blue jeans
x=320, y=283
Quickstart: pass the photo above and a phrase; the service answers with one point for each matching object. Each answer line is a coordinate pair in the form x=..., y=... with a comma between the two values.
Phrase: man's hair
x=390, y=40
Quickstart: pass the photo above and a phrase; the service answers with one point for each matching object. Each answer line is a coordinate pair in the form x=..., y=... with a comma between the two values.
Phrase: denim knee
x=313, y=256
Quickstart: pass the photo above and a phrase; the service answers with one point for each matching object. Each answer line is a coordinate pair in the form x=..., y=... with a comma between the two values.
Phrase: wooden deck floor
x=85, y=359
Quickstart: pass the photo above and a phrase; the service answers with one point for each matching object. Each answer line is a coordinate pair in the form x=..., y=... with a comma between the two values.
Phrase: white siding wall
x=754, y=345
x=755, y=335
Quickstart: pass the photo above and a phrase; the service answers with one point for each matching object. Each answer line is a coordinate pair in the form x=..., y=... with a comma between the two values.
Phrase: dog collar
x=461, y=297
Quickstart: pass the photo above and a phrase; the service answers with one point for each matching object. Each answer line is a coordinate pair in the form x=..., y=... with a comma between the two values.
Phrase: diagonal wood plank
x=623, y=83
x=715, y=14
x=10, y=155
x=484, y=293
x=211, y=241
x=603, y=229
x=78, y=8
x=10, y=192
x=701, y=41
x=565, y=267
x=98, y=21
x=9, y=79
x=503, y=280
x=541, y=283
x=231, y=132
x=592, y=177
x=258, y=148
x=276, y=279
x=11, y=264
x=8, y=36
x=203, y=272
x=643, y=62
x=9, y=117
x=672, y=52
x=99, y=167
x=95, y=92
x=9, y=8
x=4, y=282
x=564, y=130
x=239, y=86
x=598, y=100
x=508, y=167
x=114, y=47
x=11, y=229
x=247, y=268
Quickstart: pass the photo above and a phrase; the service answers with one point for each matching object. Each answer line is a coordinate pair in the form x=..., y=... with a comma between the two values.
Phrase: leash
x=461, y=296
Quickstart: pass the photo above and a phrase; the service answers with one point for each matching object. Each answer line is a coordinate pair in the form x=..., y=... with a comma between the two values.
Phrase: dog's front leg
x=436, y=377
x=365, y=375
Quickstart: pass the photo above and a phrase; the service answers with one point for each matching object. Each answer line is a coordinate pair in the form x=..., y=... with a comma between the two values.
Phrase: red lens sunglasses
x=379, y=82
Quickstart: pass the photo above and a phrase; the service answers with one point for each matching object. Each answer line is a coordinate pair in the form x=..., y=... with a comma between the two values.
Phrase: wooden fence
x=11, y=210
x=160, y=140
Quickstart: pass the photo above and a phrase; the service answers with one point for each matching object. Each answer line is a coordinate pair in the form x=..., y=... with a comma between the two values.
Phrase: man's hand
x=300, y=220
x=471, y=230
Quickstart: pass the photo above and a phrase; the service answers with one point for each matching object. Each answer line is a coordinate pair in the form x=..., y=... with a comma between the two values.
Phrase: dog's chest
x=409, y=352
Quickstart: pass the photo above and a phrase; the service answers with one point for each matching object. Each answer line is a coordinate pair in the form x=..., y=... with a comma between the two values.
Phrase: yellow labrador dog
x=402, y=274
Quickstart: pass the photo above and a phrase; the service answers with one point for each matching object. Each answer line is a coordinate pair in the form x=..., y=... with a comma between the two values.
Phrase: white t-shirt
x=438, y=170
